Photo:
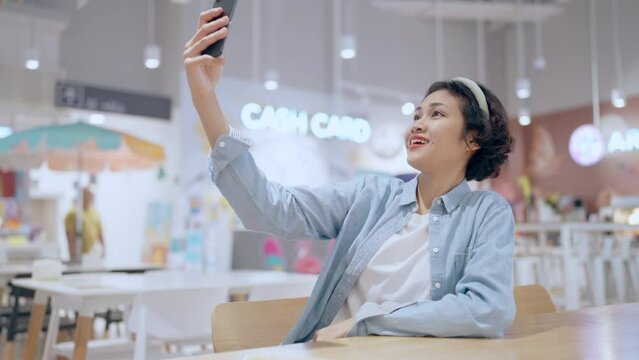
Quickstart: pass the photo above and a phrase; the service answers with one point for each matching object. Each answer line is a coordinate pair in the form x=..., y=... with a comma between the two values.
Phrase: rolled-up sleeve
x=227, y=148
x=482, y=304
x=261, y=205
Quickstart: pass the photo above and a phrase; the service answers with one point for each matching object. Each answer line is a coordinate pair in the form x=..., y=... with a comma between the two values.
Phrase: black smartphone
x=216, y=49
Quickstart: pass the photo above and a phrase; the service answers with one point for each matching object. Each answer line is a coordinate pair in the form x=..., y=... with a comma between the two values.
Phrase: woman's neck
x=431, y=186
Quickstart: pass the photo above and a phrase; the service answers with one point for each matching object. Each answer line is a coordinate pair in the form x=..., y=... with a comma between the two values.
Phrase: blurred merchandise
x=157, y=233
x=274, y=254
x=4, y=256
x=194, y=250
x=625, y=209
x=633, y=218
x=13, y=226
x=7, y=183
x=219, y=232
x=305, y=261
x=547, y=213
x=526, y=188
x=203, y=239
x=176, y=253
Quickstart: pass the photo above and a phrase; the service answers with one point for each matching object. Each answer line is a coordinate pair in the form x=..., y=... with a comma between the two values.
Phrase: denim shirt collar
x=450, y=200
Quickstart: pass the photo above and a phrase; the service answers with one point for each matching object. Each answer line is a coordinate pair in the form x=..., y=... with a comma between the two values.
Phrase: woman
x=423, y=258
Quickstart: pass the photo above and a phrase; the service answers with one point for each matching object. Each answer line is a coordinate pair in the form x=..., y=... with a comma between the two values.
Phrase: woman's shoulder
x=378, y=187
x=379, y=181
x=486, y=201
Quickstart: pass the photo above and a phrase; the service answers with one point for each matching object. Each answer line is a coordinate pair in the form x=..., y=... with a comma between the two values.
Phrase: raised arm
x=260, y=204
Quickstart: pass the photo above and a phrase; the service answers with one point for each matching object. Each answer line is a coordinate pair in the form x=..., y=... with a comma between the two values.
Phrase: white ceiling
x=104, y=40
x=458, y=10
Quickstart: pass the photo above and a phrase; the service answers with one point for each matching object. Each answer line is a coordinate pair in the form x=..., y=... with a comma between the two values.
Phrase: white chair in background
x=586, y=270
x=528, y=262
x=589, y=248
x=598, y=260
x=606, y=258
x=280, y=291
x=174, y=317
x=634, y=266
x=528, y=270
x=616, y=250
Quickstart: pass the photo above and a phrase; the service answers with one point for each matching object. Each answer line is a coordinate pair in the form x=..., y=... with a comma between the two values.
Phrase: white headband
x=476, y=90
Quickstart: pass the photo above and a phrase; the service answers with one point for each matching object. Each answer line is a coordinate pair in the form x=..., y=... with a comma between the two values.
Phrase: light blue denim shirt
x=471, y=238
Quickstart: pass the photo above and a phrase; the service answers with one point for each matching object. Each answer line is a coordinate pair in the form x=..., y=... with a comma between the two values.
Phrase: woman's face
x=435, y=138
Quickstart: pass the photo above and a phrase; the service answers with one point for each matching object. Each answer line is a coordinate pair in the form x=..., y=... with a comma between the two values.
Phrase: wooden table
x=88, y=293
x=610, y=332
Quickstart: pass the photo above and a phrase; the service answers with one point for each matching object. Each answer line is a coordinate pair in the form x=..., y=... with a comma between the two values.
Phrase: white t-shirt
x=398, y=272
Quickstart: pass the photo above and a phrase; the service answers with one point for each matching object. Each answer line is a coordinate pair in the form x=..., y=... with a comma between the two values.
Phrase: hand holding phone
x=228, y=7
x=203, y=72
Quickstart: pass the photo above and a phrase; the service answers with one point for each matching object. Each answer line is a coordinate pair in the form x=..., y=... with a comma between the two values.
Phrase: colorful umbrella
x=78, y=147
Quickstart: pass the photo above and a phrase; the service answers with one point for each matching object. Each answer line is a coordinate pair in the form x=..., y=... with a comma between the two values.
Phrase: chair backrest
x=176, y=315
x=280, y=291
x=531, y=300
x=252, y=324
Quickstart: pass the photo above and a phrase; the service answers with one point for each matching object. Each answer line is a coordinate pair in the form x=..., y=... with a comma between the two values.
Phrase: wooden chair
x=531, y=300
x=251, y=324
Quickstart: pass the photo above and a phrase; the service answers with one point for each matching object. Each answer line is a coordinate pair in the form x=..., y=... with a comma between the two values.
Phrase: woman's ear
x=472, y=145
x=471, y=142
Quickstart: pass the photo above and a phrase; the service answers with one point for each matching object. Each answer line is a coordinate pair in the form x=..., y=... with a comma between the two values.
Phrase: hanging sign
x=587, y=145
x=93, y=98
x=320, y=125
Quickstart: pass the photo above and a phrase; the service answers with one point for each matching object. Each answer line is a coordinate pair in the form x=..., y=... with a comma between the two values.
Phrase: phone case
x=216, y=49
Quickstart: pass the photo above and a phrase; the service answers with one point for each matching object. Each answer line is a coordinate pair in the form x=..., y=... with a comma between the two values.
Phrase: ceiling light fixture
x=152, y=52
x=271, y=82
x=524, y=117
x=32, y=55
x=617, y=95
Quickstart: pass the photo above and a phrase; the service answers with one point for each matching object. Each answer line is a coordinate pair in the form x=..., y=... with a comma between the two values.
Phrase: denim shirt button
x=435, y=218
x=438, y=285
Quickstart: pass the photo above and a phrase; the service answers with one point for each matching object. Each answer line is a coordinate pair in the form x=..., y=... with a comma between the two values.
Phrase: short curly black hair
x=493, y=134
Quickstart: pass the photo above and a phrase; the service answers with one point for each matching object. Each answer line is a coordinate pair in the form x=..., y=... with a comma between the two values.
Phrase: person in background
x=91, y=226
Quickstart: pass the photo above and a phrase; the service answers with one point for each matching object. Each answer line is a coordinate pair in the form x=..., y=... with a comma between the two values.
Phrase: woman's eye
x=417, y=116
x=437, y=114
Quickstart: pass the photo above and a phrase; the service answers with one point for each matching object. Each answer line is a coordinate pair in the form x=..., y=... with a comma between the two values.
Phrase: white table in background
x=91, y=292
x=566, y=230
x=9, y=271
